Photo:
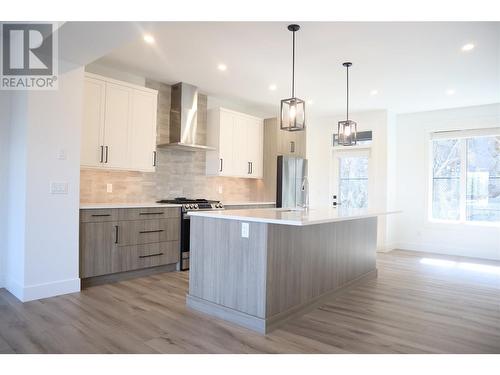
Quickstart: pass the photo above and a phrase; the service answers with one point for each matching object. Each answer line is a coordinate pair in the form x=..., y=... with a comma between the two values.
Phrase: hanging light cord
x=347, y=93
x=293, y=65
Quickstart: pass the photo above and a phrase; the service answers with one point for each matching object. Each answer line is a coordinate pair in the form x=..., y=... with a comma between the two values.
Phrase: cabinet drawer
x=98, y=216
x=126, y=258
x=148, y=213
x=138, y=232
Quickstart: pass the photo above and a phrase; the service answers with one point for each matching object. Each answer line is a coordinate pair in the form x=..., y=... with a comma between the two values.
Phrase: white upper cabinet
x=238, y=140
x=143, y=130
x=255, y=149
x=119, y=127
x=93, y=122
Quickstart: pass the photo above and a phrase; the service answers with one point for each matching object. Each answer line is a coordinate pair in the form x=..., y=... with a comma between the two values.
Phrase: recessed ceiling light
x=149, y=39
x=450, y=92
x=373, y=92
x=468, y=47
x=273, y=87
x=222, y=67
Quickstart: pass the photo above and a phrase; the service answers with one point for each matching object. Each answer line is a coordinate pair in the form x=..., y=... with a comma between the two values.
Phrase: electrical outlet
x=59, y=188
x=245, y=230
x=220, y=189
x=109, y=188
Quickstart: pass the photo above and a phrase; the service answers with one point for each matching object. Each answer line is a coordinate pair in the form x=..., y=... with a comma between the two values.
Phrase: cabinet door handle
x=101, y=159
x=221, y=161
x=150, y=255
x=151, y=213
x=249, y=169
x=106, y=160
x=292, y=146
x=100, y=215
x=116, y=233
x=154, y=158
x=151, y=231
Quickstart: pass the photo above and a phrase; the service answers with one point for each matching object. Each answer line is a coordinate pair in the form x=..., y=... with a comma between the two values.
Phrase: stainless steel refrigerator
x=291, y=186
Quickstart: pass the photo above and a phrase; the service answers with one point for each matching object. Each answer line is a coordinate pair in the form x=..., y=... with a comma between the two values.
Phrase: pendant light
x=293, y=110
x=347, y=130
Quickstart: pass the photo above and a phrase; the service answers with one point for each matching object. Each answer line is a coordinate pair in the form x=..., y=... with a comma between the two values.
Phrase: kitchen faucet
x=305, y=193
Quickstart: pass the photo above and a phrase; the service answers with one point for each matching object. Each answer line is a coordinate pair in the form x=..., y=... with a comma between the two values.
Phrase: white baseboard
x=39, y=291
x=15, y=289
x=386, y=248
x=443, y=249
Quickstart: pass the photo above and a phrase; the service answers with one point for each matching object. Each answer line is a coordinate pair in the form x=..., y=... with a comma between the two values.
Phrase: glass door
x=350, y=183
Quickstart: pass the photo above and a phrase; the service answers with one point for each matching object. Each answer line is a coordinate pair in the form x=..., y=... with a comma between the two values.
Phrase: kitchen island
x=259, y=267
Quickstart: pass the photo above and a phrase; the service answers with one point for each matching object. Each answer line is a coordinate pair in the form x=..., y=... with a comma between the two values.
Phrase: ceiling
x=412, y=65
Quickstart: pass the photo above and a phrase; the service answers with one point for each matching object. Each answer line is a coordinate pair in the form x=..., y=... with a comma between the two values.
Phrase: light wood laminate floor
x=412, y=307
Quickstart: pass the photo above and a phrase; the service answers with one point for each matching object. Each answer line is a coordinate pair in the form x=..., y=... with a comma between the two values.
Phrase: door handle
x=221, y=161
x=101, y=159
x=106, y=160
x=292, y=146
x=116, y=234
x=154, y=158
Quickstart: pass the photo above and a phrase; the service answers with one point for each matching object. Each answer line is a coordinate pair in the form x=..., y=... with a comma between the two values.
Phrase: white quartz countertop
x=247, y=203
x=95, y=206
x=292, y=216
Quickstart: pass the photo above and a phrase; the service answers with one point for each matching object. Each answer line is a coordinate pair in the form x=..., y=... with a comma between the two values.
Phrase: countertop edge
x=214, y=214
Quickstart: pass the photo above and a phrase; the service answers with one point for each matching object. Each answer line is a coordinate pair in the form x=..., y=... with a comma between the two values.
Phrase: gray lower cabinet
x=119, y=240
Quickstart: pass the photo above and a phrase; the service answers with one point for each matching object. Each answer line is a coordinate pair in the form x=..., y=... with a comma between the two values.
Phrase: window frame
x=462, y=136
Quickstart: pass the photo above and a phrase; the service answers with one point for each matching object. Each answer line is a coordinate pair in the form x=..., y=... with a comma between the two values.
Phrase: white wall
x=16, y=201
x=412, y=229
x=319, y=154
x=42, y=254
x=5, y=98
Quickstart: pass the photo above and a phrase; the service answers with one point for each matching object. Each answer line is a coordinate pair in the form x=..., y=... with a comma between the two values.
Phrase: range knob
x=196, y=206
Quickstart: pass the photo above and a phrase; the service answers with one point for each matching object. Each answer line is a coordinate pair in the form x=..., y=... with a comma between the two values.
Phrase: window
x=466, y=176
x=353, y=181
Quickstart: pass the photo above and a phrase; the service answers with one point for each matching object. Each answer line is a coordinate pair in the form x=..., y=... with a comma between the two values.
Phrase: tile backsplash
x=178, y=173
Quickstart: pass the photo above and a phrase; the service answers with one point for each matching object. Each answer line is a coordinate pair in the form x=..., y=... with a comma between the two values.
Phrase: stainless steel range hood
x=184, y=119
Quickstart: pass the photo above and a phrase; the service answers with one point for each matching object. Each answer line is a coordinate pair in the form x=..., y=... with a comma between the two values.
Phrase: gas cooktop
x=194, y=204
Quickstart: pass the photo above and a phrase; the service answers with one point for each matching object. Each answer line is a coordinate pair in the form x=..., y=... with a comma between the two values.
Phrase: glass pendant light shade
x=293, y=110
x=293, y=114
x=347, y=131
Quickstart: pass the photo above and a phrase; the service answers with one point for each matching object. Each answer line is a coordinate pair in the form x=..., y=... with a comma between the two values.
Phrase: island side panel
x=307, y=262
x=226, y=268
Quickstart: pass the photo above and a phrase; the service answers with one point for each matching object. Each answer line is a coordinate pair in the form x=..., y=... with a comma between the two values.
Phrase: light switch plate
x=59, y=187
x=61, y=154
x=245, y=230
